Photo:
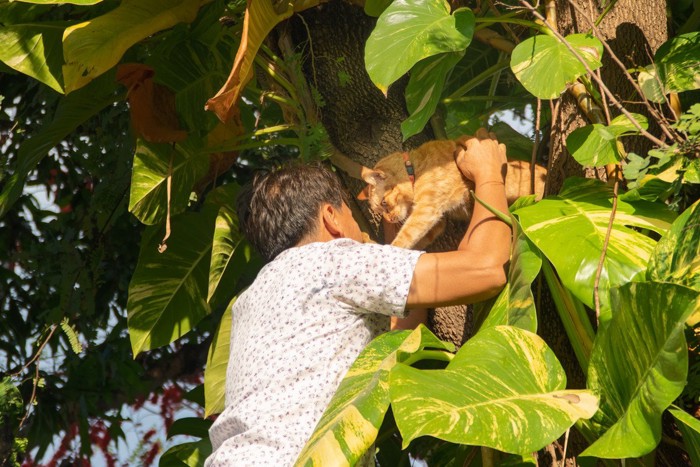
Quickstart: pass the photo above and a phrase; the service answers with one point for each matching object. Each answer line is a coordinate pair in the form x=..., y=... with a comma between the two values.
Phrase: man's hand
x=480, y=158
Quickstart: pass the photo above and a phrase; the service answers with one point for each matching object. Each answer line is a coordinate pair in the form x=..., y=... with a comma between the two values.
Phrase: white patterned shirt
x=296, y=331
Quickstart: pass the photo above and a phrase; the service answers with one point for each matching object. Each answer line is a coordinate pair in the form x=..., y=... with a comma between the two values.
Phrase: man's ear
x=364, y=194
x=374, y=177
x=330, y=222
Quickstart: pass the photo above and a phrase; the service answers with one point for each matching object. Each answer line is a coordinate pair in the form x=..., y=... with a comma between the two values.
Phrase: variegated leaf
x=351, y=421
x=639, y=366
x=596, y=145
x=505, y=389
x=217, y=362
x=544, y=65
x=409, y=31
x=570, y=230
x=677, y=255
x=92, y=47
x=515, y=305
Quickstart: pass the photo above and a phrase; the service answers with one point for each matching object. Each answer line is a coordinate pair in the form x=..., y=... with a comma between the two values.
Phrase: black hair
x=278, y=208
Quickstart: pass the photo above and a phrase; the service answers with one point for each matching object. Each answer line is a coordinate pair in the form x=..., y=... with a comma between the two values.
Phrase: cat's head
x=389, y=195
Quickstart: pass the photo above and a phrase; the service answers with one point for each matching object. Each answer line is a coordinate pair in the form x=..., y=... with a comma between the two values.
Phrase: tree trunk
x=362, y=123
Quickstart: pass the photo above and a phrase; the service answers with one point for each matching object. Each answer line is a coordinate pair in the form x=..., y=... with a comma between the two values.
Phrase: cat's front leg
x=432, y=234
x=417, y=226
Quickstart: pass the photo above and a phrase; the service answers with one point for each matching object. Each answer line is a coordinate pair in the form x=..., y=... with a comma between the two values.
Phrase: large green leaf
x=94, y=46
x=690, y=429
x=72, y=111
x=217, y=362
x=597, y=145
x=677, y=255
x=35, y=50
x=60, y=2
x=639, y=365
x=544, y=65
x=515, y=305
x=409, y=31
x=227, y=238
x=168, y=291
x=148, y=197
x=351, y=421
x=570, y=230
x=424, y=90
x=504, y=389
x=191, y=454
x=677, y=63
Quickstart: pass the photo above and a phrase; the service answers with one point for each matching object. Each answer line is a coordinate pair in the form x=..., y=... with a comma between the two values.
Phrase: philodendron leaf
x=504, y=389
x=570, y=230
x=168, y=291
x=424, y=90
x=409, y=31
x=217, y=361
x=650, y=84
x=94, y=46
x=35, y=50
x=148, y=196
x=639, y=366
x=690, y=429
x=71, y=112
x=516, y=304
x=191, y=454
x=677, y=255
x=677, y=63
x=544, y=65
x=351, y=421
x=596, y=145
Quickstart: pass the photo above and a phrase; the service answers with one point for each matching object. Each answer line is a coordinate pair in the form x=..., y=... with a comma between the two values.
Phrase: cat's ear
x=364, y=194
x=374, y=177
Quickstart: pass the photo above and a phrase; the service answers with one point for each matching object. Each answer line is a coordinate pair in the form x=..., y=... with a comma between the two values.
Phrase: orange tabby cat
x=438, y=188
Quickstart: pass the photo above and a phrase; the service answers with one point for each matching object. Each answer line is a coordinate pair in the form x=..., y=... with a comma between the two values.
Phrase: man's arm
x=477, y=269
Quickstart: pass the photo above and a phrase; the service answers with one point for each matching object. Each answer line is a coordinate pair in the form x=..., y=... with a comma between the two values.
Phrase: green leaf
x=227, y=239
x=61, y=2
x=516, y=304
x=35, y=50
x=217, y=361
x=677, y=255
x=570, y=230
x=597, y=145
x=651, y=85
x=544, y=65
x=94, y=46
x=72, y=111
x=351, y=421
x=677, y=63
x=690, y=429
x=639, y=366
x=504, y=389
x=191, y=426
x=167, y=293
x=424, y=90
x=148, y=198
x=186, y=454
x=409, y=31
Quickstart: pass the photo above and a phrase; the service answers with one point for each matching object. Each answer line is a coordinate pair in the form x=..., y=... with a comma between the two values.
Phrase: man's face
x=348, y=223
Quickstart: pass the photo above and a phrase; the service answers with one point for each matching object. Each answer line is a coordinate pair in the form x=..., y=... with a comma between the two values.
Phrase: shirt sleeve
x=371, y=278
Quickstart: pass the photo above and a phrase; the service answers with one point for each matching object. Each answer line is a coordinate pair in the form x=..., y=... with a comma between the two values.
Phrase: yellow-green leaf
x=217, y=361
x=35, y=50
x=92, y=47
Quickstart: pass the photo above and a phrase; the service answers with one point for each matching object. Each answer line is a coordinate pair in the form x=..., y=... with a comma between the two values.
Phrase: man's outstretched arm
x=477, y=269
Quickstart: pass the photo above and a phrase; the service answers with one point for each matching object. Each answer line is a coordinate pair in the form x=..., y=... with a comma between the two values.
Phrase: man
x=324, y=296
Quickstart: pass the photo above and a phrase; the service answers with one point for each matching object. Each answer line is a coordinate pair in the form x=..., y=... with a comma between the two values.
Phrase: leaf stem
x=492, y=210
x=478, y=79
x=603, y=253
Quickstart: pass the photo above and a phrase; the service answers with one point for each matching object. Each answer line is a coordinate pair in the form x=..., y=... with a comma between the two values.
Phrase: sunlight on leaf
x=596, y=145
x=545, y=66
x=504, y=389
x=217, y=362
x=639, y=366
x=35, y=50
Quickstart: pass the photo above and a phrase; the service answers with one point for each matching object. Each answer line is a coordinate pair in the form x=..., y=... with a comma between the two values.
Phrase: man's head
x=282, y=208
